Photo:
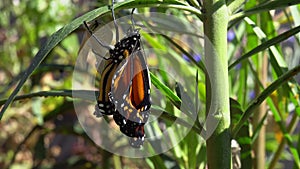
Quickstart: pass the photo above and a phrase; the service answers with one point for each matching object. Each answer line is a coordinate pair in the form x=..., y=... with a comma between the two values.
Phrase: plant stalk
x=259, y=144
x=217, y=106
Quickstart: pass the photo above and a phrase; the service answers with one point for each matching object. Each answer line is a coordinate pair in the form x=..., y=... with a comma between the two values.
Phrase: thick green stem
x=218, y=113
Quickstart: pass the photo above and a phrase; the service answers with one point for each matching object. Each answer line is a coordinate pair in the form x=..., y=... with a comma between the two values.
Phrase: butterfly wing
x=130, y=92
x=131, y=89
x=104, y=105
x=118, y=56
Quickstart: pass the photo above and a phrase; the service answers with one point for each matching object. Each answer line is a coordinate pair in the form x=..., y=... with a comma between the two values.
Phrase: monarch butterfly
x=124, y=88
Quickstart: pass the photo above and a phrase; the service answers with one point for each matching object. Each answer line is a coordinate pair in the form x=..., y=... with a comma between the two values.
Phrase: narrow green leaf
x=263, y=7
x=166, y=90
x=158, y=162
x=50, y=44
x=82, y=94
x=296, y=17
x=298, y=149
x=257, y=129
x=270, y=89
x=266, y=45
x=234, y=5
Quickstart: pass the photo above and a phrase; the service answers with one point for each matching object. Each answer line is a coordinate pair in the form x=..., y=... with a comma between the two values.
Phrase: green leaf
x=267, y=92
x=50, y=44
x=266, y=45
x=296, y=17
x=263, y=7
x=158, y=162
x=166, y=90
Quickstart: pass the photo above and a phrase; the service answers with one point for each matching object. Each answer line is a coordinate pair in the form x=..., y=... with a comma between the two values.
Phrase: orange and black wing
x=104, y=105
x=118, y=55
x=130, y=92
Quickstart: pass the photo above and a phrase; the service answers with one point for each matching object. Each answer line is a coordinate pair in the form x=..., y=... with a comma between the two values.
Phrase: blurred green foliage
x=43, y=132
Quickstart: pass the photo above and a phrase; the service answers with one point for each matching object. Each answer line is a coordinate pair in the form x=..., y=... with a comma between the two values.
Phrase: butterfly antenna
x=115, y=23
x=95, y=37
x=132, y=20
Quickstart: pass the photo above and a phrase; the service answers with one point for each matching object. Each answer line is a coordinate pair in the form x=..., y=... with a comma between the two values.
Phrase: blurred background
x=43, y=132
